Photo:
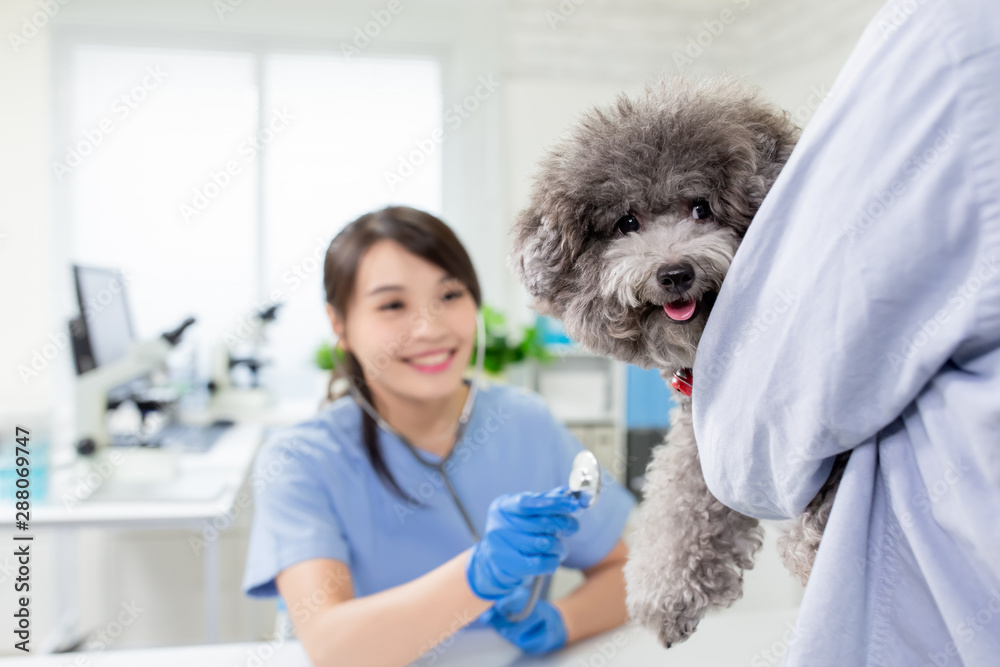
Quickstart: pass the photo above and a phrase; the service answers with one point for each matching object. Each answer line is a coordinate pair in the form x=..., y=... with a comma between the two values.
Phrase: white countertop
x=728, y=638
x=221, y=471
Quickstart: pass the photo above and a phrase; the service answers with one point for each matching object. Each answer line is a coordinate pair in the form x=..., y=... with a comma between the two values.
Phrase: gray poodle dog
x=633, y=220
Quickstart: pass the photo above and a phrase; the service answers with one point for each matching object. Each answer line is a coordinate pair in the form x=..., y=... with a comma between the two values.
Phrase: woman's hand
x=523, y=539
x=542, y=631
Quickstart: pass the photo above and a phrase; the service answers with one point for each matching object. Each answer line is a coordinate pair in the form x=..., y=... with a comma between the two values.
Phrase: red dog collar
x=681, y=381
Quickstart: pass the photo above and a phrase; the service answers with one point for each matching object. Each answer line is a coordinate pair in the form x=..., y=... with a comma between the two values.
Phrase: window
x=330, y=167
x=216, y=179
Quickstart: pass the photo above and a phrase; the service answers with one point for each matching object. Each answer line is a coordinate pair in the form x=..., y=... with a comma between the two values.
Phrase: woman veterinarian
x=862, y=314
x=380, y=547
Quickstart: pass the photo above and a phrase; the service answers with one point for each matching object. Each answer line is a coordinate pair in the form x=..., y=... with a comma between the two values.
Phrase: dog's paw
x=800, y=540
x=674, y=630
x=662, y=599
x=672, y=620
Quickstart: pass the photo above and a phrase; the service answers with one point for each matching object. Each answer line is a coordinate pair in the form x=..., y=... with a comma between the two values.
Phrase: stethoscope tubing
x=463, y=421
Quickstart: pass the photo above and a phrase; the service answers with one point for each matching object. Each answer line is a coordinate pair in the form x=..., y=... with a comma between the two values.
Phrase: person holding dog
x=871, y=276
x=387, y=532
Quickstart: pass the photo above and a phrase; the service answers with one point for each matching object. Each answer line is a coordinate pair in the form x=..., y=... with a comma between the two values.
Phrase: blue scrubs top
x=316, y=494
x=862, y=313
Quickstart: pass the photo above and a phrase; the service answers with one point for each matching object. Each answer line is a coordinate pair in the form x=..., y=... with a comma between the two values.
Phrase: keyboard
x=187, y=437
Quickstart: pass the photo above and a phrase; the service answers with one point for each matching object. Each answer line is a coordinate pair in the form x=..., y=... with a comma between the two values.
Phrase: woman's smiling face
x=410, y=324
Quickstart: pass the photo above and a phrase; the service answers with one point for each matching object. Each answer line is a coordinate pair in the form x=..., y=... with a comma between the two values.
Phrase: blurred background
x=164, y=160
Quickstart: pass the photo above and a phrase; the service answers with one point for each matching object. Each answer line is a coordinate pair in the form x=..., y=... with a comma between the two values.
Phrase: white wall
x=26, y=257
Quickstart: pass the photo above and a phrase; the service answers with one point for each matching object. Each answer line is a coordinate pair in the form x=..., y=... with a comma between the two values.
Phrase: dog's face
x=635, y=216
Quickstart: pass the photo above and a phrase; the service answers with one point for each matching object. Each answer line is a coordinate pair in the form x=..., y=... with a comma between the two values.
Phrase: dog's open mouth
x=681, y=310
x=685, y=310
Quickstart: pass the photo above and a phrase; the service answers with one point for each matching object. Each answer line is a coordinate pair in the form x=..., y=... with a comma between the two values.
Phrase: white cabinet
x=586, y=392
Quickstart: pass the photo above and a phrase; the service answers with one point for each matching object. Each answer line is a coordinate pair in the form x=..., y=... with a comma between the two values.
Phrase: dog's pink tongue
x=680, y=311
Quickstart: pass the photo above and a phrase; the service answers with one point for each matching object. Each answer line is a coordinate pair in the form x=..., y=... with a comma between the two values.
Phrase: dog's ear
x=541, y=256
x=776, y=136
x=766, y=141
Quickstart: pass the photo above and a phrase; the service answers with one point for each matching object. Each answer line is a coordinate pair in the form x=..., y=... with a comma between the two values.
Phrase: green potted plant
x=501, y=349
x=324, y=356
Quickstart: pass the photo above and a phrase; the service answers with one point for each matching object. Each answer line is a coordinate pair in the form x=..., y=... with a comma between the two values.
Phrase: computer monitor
x=103, y=332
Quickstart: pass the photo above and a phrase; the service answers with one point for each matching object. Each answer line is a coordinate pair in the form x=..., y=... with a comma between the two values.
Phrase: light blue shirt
x=862, y=312
x=316, y=494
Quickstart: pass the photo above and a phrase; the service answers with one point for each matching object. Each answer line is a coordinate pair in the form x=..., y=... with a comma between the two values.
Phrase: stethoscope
x=584, y=479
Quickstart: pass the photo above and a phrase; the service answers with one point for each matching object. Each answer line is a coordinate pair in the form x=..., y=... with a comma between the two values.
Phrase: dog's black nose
x=676, y=277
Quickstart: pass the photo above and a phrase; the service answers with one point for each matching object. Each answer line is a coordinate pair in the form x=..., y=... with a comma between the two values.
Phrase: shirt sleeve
x=294, y=518
x=602, y=524
x=864, y=270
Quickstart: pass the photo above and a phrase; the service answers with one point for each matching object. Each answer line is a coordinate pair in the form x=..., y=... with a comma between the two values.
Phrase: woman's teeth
x=431, y=360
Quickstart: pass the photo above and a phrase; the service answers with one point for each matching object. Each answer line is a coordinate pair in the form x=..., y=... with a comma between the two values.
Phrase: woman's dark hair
x=421, y=234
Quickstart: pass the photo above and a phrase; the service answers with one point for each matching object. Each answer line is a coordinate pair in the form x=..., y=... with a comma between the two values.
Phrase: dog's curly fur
x=668, y=179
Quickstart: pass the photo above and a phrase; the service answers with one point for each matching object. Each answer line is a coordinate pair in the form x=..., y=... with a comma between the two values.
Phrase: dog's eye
x=627, y=224
x=700, y=209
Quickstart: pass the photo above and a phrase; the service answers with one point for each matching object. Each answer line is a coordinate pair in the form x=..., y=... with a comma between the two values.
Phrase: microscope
x=112, y=368
x=236, y=363
x=103, y=388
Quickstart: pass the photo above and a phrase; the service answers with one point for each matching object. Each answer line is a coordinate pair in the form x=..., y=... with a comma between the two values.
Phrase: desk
x=730, y=637
x=226, y=465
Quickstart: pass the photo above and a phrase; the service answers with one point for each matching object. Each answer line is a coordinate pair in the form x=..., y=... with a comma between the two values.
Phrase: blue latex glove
x=523, y=539
x=542, y=631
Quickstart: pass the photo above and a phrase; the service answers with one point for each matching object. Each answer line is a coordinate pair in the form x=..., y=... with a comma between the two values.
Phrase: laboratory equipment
x=236, y=363
x=106, y=354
